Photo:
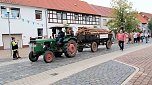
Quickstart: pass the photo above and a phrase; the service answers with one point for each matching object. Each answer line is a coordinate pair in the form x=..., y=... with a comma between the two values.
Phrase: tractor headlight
x=32, y=45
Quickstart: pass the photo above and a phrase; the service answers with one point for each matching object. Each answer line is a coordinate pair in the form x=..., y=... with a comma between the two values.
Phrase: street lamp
x=8, y=12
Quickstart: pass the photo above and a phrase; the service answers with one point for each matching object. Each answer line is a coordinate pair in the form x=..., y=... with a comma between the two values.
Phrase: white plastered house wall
x=144, y=27
x=26, y=25
x=103, y=23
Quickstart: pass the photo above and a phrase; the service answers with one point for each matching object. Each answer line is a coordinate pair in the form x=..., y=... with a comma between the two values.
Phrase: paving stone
x=21, y=70
x=102, y=78
x=143, y=60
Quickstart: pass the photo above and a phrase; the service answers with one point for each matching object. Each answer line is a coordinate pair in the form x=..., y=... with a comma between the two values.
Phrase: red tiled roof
x=33, y=3
x=142, y=19
x=148, y=15
x=66, y=5
x=103, y=11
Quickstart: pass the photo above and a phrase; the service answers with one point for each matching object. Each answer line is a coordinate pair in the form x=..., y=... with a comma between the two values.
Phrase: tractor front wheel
x=48, y=56
x=33, y=57
x=70, y=48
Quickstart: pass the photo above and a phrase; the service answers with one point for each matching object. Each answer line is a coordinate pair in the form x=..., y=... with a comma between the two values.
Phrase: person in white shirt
x=135, y=37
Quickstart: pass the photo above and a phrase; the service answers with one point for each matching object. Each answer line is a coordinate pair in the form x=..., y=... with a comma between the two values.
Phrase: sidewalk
x=5, y=54
x=143, y=60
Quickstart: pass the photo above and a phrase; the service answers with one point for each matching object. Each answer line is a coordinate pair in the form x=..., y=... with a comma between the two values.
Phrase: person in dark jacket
x=15, y=49
x=61, y=35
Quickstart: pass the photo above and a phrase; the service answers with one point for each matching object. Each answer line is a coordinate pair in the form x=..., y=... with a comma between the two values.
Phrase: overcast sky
x=139, y=5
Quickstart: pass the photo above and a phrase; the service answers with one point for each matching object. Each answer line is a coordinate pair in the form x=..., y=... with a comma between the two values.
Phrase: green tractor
x=55, y=46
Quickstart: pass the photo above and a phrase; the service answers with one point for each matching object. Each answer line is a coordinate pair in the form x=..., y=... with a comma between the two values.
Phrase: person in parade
x=15, y=49
x=121, y=39
x=61, y=35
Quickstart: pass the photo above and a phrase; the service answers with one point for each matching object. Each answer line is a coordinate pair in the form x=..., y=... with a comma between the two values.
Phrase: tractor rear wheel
x=94, y=46
x=48, y=56
x=33, y=57
x=108, y=44
x=70, y=48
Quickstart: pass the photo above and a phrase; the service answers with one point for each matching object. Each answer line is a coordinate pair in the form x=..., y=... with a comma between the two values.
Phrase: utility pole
x=8, y=12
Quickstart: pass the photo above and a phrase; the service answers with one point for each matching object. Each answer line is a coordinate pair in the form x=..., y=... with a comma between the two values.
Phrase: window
x=104, y=22
x=56, y=16
x=76, y=17
x=93, y=19
x=38, y=14
x=64, y=15
x=40, y=32
x=14, y=13
x=59, y=16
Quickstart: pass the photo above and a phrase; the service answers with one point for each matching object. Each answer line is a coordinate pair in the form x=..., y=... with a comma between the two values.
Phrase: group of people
x=133, y=37
x=136, y=37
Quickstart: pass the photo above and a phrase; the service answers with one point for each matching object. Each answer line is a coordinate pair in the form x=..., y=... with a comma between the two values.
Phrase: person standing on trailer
x=121, y=39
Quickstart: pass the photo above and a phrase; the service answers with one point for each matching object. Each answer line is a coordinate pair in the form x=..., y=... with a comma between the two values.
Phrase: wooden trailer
x=92, y=38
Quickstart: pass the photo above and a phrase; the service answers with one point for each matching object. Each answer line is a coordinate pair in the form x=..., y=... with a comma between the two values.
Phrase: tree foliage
x=150, y=24
x=123, y=16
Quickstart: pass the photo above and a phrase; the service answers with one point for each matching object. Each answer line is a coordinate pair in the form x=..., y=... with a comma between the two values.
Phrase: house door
x=6, y=40
x=40, y=33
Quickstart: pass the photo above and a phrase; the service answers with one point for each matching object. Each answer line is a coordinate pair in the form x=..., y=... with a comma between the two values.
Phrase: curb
x=132, y=75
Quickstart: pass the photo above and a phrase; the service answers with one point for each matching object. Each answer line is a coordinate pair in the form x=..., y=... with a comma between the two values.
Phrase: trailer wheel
x=33, y=57
x=108, y=44
x=48, y=56
x=94, y=46
x=70, y=48
x=80, y=49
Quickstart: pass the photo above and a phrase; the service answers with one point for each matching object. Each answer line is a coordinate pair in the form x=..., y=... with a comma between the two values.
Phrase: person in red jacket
x=121, y=39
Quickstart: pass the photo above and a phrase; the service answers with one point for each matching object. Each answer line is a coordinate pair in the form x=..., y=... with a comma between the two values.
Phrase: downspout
x=100, y=22
x=46, y=22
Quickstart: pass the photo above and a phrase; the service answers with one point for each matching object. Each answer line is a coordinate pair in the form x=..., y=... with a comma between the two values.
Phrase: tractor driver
x=61, y=35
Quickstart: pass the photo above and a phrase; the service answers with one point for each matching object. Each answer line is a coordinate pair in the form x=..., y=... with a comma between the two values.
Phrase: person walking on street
x=135, y=37
x=15, y=49
x=127, y=38
x=132, y=37
x=146, y=37
x=121, y=39
x=138, y=37
x=142, y=36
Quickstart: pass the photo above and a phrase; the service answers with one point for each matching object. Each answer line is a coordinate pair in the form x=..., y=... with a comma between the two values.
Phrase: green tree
x=123, y=16
x=150, y=24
